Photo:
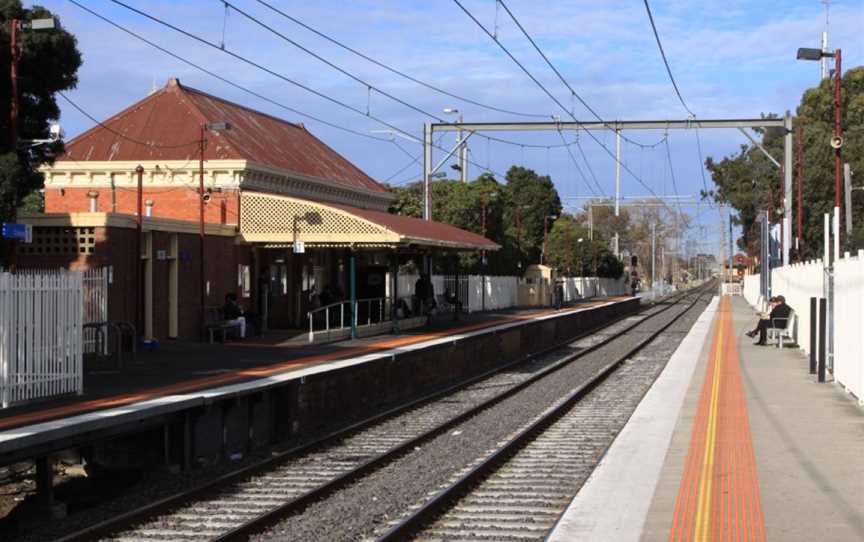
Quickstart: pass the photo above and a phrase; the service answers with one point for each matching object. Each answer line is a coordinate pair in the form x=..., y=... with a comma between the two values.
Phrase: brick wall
x=117, y=247
x=179, y=202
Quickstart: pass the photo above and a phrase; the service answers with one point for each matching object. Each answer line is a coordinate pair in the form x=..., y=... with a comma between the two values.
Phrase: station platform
x=733, y=442
x=183, y=376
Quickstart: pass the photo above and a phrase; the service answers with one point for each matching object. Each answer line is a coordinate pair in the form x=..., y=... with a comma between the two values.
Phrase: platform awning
x=278, y=220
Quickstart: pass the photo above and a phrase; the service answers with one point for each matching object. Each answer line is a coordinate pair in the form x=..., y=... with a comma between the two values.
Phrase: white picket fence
x=95, y=305
x=801, y=281
x=501, y=292
x=41, y=314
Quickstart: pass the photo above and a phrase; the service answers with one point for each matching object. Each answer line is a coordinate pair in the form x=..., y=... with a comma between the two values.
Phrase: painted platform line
x=718, y=498
x=614, y=502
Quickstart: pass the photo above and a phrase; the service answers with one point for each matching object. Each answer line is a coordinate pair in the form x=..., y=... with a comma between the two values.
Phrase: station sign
x=18, y=232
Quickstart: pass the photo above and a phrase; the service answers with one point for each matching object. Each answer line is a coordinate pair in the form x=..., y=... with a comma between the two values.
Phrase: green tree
x=530, y=198
x=750, y=183
x=567, y=247
x=48, y=63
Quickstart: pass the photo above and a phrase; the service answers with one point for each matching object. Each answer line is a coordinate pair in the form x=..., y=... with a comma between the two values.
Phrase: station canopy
x=277, y=220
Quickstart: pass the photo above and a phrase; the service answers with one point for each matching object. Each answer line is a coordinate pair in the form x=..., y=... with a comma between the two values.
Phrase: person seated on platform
x=233, y=313
x=424, y=291
x=777, y=318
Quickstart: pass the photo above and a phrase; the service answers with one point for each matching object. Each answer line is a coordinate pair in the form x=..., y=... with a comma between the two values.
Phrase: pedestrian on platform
x=778, y=318
x=424, y=292
x=233, y=313
x=558, y=294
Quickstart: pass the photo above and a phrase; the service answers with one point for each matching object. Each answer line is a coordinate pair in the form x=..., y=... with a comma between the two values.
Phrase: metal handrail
x=312, y=315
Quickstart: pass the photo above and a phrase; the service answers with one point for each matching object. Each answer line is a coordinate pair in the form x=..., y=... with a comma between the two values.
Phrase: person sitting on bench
x=233, y=313
x=777, y=318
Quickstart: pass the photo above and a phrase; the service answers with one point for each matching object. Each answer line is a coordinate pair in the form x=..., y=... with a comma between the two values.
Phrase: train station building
x=285, y=217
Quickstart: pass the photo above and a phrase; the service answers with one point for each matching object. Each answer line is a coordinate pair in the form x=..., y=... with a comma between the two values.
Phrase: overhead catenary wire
x=273, y=73
x=398, y=72
x=225, y=80
x=678, y=93
x=551, y=96
x=369, y=86
x=122, y=135
x=579, y=170
x=573, y=93
x=665, y=60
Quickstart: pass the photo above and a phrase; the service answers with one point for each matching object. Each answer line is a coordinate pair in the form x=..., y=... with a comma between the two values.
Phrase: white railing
x=41, y=316
x=798, y=283
x=731, y=288
x=95, y=304
x=501, y=291
x=337, y=316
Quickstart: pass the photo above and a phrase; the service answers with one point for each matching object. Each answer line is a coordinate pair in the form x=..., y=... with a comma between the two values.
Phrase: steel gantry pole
x=838, y=134
x=787, y=187
x=427, y=171
x=617, y=184
x=653, y=257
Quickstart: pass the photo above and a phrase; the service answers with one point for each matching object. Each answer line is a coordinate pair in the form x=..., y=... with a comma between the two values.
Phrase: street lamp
x=14, y=26
x=805, y=53
x=462, y=167
x=203, y=197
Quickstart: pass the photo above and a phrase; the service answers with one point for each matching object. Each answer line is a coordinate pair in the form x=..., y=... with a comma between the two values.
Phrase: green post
x=353, y=288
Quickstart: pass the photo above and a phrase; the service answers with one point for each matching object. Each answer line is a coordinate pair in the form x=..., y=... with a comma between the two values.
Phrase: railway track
x=519, y=490
x=246, y=502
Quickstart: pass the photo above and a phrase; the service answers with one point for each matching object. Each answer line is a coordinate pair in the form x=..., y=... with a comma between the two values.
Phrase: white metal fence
x=95, y=306
x=501, y=292
x=41, y=316
x=801, y=281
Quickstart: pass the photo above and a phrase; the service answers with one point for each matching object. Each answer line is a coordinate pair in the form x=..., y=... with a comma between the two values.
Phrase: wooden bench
x=216, y=324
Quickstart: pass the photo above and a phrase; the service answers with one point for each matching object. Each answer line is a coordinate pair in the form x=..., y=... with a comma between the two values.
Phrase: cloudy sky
x=731, y=58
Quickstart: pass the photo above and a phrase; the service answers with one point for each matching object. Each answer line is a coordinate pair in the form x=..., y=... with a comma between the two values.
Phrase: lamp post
x=15, y=25
x=837, y=140
x=463, y=147
x=202, y=200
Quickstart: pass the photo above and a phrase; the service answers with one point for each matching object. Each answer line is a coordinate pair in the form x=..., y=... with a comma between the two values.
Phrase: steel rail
x=443, y=498
x=127, y=520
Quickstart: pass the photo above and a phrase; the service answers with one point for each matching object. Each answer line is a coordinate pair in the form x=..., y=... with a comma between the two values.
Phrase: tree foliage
x=516, y=213
x=48, y=62
x=749, y=183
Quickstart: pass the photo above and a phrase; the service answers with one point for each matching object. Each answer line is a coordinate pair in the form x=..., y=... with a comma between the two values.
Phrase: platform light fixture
x=807, y=53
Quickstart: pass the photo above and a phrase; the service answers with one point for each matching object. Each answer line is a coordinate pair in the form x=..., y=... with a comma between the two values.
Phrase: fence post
x=812, y=335
x=5, y=292
x=823, y=337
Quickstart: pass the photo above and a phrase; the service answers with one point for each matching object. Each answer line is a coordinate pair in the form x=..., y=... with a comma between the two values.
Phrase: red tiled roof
x=167, y=126
x=422, y=232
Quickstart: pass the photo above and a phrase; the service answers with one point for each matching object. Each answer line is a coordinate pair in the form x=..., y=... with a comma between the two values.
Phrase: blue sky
x=731, y=58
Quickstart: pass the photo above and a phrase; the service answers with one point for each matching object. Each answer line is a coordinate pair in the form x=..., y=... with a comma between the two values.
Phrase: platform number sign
x=299, y=247
x=19, y=232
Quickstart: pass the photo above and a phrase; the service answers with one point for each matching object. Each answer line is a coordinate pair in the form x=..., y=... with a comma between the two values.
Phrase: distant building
x=268, y=184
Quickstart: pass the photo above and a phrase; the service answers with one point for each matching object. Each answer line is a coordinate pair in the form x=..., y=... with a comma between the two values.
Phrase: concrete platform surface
x=760, y=451
x=184, y=376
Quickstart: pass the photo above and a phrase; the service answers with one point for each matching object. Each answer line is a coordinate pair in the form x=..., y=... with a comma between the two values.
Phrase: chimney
x=173, y=82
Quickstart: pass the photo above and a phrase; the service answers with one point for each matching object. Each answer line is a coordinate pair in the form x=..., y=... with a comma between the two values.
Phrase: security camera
x=836, y=142
x=206, y=197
